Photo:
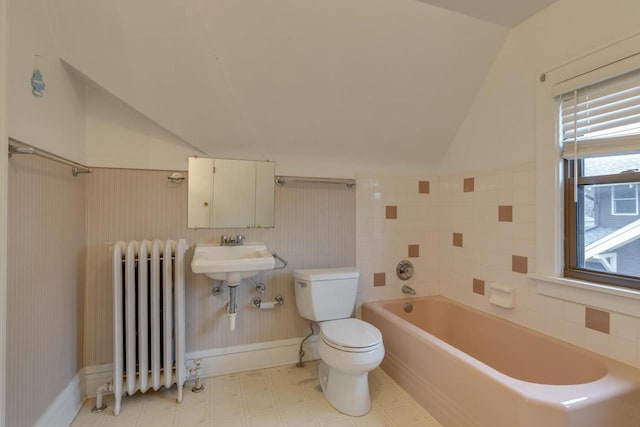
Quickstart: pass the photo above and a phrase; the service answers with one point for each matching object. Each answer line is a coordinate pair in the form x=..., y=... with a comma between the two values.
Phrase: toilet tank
x=327, y=293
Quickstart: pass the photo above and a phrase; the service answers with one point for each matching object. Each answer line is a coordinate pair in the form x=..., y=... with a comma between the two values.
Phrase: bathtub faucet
x=406, y=289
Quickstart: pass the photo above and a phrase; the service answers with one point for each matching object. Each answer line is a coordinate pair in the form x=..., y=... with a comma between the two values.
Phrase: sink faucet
x=408, y=290
x=232, y=241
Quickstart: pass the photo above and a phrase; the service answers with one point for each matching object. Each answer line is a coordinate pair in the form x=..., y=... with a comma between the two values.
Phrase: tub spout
x=406, y=289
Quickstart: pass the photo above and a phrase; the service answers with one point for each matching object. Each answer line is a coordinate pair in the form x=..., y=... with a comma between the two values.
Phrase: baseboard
x=65, y=407
x=242, y=358
x=95, y=376
x=219, y=361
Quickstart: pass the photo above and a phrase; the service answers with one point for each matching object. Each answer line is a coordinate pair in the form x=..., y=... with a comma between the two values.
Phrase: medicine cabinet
x=227, y=193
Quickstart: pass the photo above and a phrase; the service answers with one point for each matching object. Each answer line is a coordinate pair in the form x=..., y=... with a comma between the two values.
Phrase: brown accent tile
x=414, y=251
x=379, y=279
x=505, y=213
x=391, y=212
x=457, y=239
x=597, y=320
x=423, y=187
x=478, y=286
x=519, y=264
x=469, y=184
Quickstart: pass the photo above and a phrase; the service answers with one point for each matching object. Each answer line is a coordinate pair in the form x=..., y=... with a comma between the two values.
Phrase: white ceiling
x=367, y=83
x=507, y=13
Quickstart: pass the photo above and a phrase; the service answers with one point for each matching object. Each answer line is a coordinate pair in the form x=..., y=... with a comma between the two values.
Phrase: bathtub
x=469, y=368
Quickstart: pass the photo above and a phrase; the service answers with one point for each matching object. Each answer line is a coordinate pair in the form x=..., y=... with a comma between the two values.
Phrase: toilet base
x=347, y=393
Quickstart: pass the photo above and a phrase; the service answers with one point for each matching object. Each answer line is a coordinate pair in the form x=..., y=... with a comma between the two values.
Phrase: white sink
x=231, y=263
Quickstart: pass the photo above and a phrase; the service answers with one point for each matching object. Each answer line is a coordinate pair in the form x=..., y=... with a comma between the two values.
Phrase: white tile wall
x=381, y=243
x=486, y=255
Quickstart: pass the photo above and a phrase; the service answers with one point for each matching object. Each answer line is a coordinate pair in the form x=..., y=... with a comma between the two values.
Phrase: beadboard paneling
x=314, y=227
x=45, y=272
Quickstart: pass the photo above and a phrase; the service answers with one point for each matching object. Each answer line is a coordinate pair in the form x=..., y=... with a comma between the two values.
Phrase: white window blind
x=604, y=118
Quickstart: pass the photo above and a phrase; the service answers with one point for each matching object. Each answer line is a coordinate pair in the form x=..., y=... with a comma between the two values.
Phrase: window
x=624, y=200
x=600, y=134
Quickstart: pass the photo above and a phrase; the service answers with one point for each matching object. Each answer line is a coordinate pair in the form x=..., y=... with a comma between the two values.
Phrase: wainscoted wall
x=398, y=218
x=46, y=260
x=314, y=227
x=487, y=234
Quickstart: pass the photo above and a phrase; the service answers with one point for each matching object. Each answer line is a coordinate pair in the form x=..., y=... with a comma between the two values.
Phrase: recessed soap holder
x=502, y=295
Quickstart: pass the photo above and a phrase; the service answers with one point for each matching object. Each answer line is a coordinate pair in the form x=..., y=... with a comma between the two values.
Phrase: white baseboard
x=66, y=406
x=253, y=356
x=225, y=360
x=95, y=376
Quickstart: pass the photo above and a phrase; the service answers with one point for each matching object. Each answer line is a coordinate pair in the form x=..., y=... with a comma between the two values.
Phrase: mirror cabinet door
x=234, y=193
x=230, y=193
x=200, y=192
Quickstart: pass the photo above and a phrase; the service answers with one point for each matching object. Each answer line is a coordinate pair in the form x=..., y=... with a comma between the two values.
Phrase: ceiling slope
x=508, y=13
x=367, y=84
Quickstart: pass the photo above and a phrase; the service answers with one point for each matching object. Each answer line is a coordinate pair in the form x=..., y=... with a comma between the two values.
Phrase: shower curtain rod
x=281, y=180
x=19, y=147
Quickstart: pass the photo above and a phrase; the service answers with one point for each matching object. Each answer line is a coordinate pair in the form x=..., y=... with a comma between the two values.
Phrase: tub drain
x=408, y=307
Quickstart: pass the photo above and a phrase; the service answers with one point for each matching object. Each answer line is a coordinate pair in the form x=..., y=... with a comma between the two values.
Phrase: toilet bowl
x=346, y=362
x=349, y=348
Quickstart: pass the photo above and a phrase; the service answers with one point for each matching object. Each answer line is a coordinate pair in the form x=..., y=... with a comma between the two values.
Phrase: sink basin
x=231, y=263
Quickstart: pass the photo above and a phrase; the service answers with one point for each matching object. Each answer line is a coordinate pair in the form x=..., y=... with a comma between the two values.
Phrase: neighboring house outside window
x=624, y=199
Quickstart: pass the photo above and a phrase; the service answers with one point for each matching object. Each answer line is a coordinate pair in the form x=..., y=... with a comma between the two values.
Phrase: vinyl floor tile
x=284, y=396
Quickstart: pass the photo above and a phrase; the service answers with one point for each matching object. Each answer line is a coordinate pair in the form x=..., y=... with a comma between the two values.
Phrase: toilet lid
x=352, y=333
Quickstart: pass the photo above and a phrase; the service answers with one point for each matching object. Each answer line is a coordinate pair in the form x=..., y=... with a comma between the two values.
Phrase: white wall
x=119, y=136
x=3, y=210
x=500, y=128
x=54, y=122
x=44, y=304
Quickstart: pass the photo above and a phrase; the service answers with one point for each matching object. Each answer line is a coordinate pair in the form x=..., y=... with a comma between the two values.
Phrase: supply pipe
x=100, y=405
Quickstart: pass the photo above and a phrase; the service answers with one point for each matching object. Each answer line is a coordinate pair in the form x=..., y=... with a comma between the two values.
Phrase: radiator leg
x=100, y=405
x=179, y=399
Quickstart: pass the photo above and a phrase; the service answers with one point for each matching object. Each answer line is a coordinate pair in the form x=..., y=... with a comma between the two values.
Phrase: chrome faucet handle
x=224, y=240
x=239, y=239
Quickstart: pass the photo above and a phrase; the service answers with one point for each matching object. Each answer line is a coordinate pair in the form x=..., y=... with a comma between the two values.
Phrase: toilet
x=349, y=348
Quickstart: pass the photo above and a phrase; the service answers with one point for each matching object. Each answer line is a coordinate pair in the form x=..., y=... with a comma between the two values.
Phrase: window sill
x=609, y=298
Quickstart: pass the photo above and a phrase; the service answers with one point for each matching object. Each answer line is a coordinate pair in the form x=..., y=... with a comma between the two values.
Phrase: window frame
x=571, y=235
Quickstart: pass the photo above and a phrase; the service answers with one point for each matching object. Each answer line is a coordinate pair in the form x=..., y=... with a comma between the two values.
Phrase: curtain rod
x=281, y=180
x=19, y=147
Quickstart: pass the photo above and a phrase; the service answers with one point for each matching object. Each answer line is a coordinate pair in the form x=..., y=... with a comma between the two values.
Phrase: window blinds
x=604, y=118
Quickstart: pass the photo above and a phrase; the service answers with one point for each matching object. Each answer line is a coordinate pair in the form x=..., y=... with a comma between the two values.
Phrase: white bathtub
x=469, y=368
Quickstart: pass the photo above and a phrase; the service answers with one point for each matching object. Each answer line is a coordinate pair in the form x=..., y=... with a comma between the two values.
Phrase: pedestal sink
x=232, y=264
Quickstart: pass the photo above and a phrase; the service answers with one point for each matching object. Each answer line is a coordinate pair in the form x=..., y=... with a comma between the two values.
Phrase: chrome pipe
x=23, y=148
x=281, y=180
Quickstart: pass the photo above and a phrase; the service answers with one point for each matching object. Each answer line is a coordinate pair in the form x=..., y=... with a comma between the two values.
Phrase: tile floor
x=282, y=396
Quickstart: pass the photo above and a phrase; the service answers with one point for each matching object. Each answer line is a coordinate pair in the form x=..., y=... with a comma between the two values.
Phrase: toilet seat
x=351, y=335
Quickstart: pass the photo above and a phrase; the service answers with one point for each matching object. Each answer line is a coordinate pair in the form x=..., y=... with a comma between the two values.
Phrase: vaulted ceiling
x=372, y=83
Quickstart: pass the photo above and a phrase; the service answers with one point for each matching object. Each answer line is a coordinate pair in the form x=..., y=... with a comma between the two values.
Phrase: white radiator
x=148, y=318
